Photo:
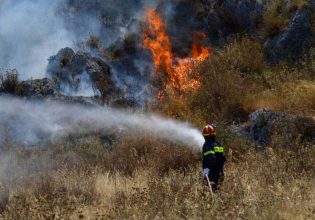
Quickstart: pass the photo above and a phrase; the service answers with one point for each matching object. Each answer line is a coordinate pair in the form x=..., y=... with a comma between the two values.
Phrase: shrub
x=295, y=5
x=227, y=77
x=297, y=97
x=276, y=18
x=278, y=15
x=9, y=81
x=131, y=153
x=21, y=89
x=93, y=42
x=223, y=79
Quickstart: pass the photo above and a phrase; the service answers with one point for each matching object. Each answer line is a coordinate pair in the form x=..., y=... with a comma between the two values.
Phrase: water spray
x=30, y=122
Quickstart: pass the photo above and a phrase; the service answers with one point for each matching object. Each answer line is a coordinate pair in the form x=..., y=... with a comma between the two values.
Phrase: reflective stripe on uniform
x=208, y=152
x=219, y=149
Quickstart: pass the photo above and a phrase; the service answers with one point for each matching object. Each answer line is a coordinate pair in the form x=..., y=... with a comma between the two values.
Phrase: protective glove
x=206, y=171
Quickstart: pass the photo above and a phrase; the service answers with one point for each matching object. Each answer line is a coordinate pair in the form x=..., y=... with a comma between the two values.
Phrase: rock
x=86, y=101
x=47, y=90
x=291, y=44
x=81, y=74
x=77, y=78
x=37, y=88
x=227, y=17
x=268, y=127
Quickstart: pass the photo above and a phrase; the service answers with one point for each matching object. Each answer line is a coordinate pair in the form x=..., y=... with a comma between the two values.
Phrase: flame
x=172, y=76
x=200, y=52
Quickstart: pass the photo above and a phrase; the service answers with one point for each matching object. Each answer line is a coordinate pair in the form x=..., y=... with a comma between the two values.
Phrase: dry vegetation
x=150, y=179
x=147, y=178
x=10, y=84
x=278, y=15
x=8, y=81
x=236, y=81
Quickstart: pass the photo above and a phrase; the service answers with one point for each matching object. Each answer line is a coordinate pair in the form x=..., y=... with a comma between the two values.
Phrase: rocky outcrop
x=293, y=42
x=268, y=127
x=81, y=74
x=228, y=17
x=71, y=78
x=47, y=89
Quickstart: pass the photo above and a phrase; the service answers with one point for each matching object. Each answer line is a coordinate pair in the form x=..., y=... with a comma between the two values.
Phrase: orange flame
x=172, y=76
x=200, y=52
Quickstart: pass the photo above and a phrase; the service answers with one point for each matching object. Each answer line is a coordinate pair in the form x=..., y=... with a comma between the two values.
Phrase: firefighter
x=212, y=157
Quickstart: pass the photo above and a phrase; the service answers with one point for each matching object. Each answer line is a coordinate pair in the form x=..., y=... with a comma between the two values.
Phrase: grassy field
x=151, y=179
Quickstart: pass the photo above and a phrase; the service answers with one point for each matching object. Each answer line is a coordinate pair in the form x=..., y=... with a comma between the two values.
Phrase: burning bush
x=172, y=76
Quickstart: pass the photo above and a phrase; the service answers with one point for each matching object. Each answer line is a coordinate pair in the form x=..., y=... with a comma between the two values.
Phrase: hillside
x=102, y=104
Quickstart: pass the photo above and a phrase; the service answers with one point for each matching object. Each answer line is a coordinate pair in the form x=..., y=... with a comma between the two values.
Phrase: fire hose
x=209, y=184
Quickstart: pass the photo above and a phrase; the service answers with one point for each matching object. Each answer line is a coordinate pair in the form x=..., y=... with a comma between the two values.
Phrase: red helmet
x=209, y=130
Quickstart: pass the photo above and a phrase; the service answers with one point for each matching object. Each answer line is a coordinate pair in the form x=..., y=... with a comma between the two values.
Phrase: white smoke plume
x=30, y=32
x=33, y=30
x=31, y=122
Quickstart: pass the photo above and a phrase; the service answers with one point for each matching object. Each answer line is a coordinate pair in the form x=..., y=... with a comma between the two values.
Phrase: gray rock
x=47, y=90
x=228, y=17
x=78, y=73
x=268, y=127
x=292, y=43
x=86, y=101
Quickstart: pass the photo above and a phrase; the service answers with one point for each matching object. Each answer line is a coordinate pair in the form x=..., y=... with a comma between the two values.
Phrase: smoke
x=31, y=122
x=107, y=19
x=30, y=32
x=33, y=30
x=117, y=23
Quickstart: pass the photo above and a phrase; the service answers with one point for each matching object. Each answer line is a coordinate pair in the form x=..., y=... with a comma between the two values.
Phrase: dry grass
x=236, y=81
x=226, y=77
x=259, y=184
x=292, y=97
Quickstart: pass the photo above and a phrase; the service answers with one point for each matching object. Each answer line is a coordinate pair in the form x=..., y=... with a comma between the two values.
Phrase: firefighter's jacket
x=212, y=154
